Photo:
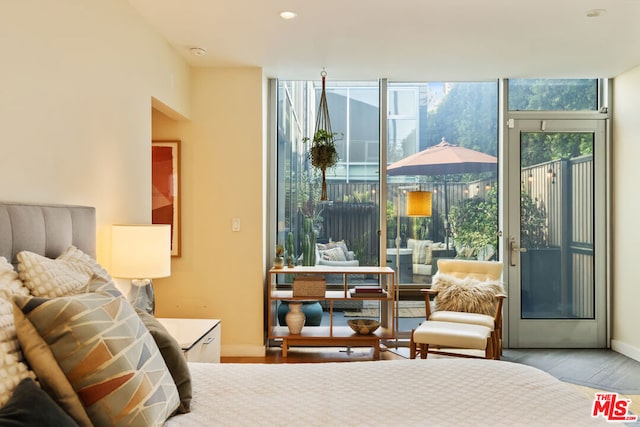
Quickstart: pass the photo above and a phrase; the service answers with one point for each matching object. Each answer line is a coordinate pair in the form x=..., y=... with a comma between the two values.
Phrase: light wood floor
x=314, y=355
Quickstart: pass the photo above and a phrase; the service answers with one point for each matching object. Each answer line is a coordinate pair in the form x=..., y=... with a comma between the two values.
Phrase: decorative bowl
x=364, y=326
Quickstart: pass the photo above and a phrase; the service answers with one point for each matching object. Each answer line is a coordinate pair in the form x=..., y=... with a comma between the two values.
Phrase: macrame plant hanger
x=323, y=123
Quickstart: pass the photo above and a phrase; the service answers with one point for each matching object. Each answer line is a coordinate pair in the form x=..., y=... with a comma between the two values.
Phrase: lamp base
x=141, y=295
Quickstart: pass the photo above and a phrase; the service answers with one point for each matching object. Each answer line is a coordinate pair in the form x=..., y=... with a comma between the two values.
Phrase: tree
x=467, y=116
x=539, y=147
x=552, y=94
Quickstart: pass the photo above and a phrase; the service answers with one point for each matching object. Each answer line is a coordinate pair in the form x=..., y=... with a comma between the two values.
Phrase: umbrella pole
x=446, y=217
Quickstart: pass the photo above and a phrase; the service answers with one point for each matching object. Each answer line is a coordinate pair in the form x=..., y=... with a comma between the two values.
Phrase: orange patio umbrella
x=444, y=158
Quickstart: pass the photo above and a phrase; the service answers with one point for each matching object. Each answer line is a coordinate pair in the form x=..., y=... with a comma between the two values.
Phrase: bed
x=376, y=393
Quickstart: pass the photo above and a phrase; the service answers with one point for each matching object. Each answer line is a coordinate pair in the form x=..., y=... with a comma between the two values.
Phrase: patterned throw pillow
x=107, y=355
x=84, y=263
x=102, y=286
x=49, y=374
x=428, y=255
x=331, y=245
x=66, y=275
x=334, y=254
x=173, y=357
x=420, y=251
x=12, y=366
x=46, y=277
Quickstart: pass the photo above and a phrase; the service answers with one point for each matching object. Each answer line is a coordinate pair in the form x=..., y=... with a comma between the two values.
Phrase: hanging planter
x=323, y=153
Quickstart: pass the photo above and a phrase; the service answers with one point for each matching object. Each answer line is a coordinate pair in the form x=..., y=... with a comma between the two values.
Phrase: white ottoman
x=443, y=334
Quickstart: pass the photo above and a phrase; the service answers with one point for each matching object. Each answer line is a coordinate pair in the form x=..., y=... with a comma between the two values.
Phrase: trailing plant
x=323, y=153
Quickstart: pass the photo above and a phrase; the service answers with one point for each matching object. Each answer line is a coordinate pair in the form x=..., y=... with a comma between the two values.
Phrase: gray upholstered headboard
x=46, y=229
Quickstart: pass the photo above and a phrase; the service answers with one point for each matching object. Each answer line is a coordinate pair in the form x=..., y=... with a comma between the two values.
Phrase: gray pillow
x=29, y=405
x=173, y=358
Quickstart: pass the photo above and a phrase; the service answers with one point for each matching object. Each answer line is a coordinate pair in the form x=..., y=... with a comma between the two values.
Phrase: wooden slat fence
x=564, y=189
x=352, y=214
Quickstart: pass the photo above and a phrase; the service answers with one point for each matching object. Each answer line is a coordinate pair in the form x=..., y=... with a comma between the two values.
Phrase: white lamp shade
x=419, y=203
x=141, y=251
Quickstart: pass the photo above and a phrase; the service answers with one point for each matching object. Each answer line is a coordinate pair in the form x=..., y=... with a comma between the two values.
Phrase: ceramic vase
x=295, y=318
x=312, y=313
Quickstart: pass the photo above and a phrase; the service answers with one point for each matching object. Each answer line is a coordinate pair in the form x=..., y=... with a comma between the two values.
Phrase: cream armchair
x=468, y=297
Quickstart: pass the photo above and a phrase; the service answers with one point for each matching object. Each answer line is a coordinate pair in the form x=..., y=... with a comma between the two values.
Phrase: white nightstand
x=199, y=338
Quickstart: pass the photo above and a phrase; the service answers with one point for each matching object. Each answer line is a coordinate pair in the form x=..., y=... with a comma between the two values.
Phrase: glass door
x=556, y=234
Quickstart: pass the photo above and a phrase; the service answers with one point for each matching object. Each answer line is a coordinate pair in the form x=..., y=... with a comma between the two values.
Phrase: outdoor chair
x=467, y=310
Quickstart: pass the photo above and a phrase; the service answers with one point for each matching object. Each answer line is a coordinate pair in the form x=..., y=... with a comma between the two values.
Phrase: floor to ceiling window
x=350, y=215
x=419, y=116
x=441, y=138
x=442, y=142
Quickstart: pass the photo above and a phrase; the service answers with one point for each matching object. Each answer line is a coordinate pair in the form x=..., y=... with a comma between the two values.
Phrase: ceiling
x=405, y=40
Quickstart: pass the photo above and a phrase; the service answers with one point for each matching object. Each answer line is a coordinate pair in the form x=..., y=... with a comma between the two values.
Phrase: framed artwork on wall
x=165, y=188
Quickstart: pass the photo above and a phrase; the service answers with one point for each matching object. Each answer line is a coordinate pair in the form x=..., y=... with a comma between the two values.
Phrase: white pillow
x=12, y=366
x=9, y=279
x=84, y=263
x=334, y=254
x=66, y=275
x=331, y=245
x=50, y=278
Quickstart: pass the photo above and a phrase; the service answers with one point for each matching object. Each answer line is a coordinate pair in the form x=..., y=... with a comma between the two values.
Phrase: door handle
x=514, y=251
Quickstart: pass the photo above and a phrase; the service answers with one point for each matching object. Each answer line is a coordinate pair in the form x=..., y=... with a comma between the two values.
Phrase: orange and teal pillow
x=100, y=347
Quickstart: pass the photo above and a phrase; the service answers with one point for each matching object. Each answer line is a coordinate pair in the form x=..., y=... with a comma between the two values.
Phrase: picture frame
x=165, y=188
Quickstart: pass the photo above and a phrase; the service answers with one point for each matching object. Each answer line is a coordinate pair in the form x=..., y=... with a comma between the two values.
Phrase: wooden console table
x=333, y=335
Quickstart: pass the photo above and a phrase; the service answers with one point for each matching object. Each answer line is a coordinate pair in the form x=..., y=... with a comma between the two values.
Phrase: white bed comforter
x=437, y=392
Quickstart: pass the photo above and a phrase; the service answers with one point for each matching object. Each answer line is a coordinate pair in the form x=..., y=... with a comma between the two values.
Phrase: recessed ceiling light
x=595, y=13
x=198, y=51
x=287, y=14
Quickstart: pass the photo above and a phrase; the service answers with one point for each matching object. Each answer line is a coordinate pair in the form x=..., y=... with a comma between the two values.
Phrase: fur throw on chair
x=467, y=294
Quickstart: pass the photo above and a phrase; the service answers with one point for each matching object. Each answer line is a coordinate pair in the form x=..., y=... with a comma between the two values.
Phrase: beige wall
x=220, y=273
x=76, y=84
x=626, y=229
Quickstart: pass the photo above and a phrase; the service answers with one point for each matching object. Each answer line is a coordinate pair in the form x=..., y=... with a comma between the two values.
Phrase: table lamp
x=141, y=252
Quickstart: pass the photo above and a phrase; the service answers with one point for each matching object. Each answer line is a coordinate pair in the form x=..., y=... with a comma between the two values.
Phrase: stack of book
x=367, y=292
